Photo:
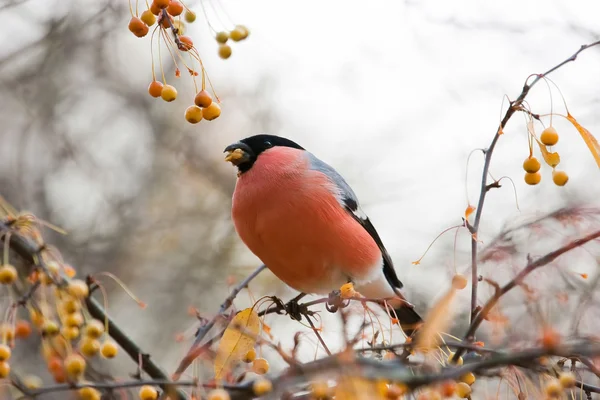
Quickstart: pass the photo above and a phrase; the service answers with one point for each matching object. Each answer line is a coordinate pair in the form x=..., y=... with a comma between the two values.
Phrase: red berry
x=175, y=8
x=161, y=3
x=203, y=99
x=185, y=43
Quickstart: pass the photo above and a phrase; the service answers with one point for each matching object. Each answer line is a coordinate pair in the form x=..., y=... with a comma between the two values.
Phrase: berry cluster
x=169, y=30
x=531, y=165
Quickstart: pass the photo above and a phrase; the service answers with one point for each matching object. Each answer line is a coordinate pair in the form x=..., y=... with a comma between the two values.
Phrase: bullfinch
x=304, y=222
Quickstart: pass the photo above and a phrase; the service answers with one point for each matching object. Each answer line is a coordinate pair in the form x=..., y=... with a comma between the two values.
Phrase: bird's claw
x=335, y=302
x=291, y=308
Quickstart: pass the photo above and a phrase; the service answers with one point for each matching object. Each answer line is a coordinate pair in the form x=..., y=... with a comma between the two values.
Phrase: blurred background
x=393, y=94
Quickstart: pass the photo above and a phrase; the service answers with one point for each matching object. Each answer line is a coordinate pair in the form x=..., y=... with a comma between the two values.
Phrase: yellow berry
x=260, y=366
x=189, y=16
x=533, y=179
x=320, y=389
x=549, y=136
x=148, y=18
x=567, y=380
x=180, y=26
x=70, y=332
x=531, y=165
x=74, y=320
x=203, y=99
x=459, y=281
x=138, y=27
x=147, y=392
x=94, y=329
x=224, y=51
x=347, y=291
x=560, y=178
x=75, y=365
x=245, y=31
x=32, y=382
x=109, y=349
x=8, y=274
x=262, y=386
x=250, y=356
x=89, y=347
x=168, y=93
x=458, y=362
x=50, y=328
x=222, y=37
x=88, y=393
x=211, y=112
x=218, y=394
x=78, y=289
x=4, y=352
x=468, y=378
x=4, y=369
x=463, y=390
x=193, y=114
x=553, y=388
x=236, y=35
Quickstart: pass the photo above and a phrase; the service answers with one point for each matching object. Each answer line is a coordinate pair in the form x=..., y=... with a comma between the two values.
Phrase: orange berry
x=211, y=112
x=138, y=27
x=532, y=179
x=155, y=88
x=260, y=366
x=4, y=369
x=203, y=99
x=224, y=51
x=222, y=37
x=22, y=329
x=74, y=365
x=54, y=364
x=262, y=387
x=175, y=8
x=448, y=388
x=78, y=289
x=147, y=392
x=193, y=114
x=4, y=352
x=463, y=390
x=109, y=349
x=560, y=178
x=161, y=3
x=148, y=17
x=8, y=274
x=168, y=93
x=250, y=356
x=389, y=356
x=459, y=281
x=89, y=347
x=218, y=394
x=549, y=136
x=94, y=329
x=60, y=376
x=468, y=378
x=189, y=16
x=88, y=393
x=550, y=338
x=154, y=9
x=553, y=388
x=69, y=271
x=186, y=43
x=567, y=380
x=166, y=22
x=531, y=165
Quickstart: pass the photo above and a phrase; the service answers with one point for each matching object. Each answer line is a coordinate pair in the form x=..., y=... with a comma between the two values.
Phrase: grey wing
x=349, y=201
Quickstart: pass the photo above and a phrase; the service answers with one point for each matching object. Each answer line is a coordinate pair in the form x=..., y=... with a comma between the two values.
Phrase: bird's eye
x=268, y=144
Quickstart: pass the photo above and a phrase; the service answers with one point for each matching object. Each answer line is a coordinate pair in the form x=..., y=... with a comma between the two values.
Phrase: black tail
x=410, y=321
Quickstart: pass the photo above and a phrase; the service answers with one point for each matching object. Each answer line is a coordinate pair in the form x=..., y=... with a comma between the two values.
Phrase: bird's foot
x=335, y=302
x=292, y=307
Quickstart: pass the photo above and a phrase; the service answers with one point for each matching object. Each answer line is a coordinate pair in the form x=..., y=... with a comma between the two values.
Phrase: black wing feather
x=388, y=266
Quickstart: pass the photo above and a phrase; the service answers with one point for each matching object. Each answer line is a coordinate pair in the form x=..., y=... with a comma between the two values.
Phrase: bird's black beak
x=238, y=153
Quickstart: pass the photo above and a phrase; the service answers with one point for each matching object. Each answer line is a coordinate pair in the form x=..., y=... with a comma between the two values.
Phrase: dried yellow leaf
x=355, y=388
x=588, y=138
x=437, y=321
x=238, y=339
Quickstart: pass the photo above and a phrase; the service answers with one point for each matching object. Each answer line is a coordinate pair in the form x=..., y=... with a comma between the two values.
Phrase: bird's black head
x=244, y=153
